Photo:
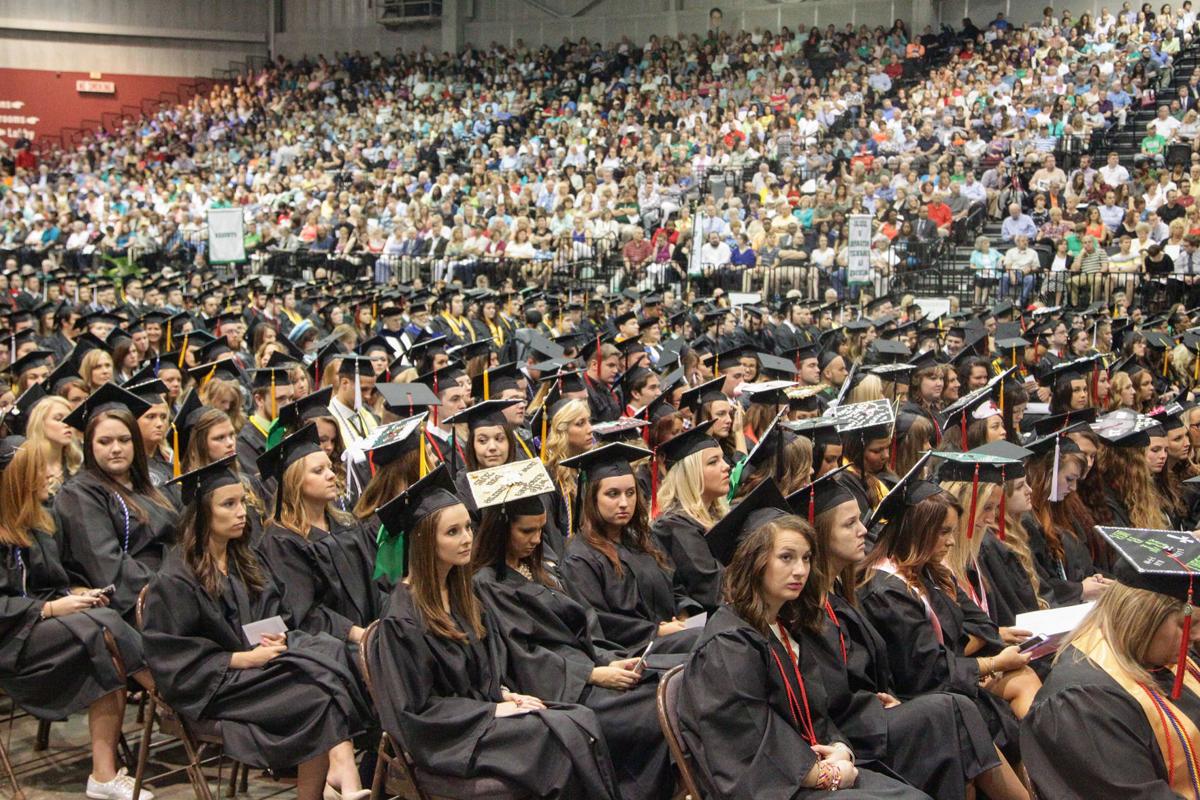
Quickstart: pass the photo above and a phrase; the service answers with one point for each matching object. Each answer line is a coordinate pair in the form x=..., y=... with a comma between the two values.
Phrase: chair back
x=668, y=720
x=394, y=760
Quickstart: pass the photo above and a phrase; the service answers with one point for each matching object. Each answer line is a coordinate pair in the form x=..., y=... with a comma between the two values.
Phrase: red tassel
x=654, y=483
x=963, y=444
x=1181, y=667
x=812, y=506
x=893, y=460
x=1003, y=493
x=974, y=498
x=435, y=391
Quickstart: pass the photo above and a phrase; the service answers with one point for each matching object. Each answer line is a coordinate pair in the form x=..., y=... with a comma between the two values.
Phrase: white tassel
x=1054, y=494
x=357, y=389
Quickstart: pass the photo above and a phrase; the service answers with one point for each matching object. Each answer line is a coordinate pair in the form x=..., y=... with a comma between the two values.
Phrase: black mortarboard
x=870, y=420
x=207, y=479
x=908, y=491
x=465, y=352
x=406, y=398
x=486, y=414
x=685, y=444
x=275, y=461
x=495, y=380
x=704, y=393
x=270, y=377
x=972, y=465
x=776, y=367
x=1148, y=559
x=883, y=351
x=31, y=360
x=727, y=359
x=151, y=391
x=107, y=397
x=762, y=505
x=400, y=516
x=18, y=416
x=312, y=405
x=203, y=373
x=824, y=493
x=609, y=461
x=1057, y=422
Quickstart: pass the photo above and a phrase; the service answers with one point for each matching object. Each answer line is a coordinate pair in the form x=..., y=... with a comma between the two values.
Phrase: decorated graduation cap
x=1160, y=561
x=1124, y=428
x=1170, y=416
x=824, y=493
x=388, y=443
x=768, y=392
x=974, y=467
x=207, y=479
x=908, y=492
x=510, y=483
x=487, y=414
x=762, y=505
x=107, y=398
x=693, y=440
x=399, y=517
x=870, y=420
x=619, y=429
x=274, y=462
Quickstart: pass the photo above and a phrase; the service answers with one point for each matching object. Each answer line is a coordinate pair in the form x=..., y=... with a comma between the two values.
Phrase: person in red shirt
x=940, y=213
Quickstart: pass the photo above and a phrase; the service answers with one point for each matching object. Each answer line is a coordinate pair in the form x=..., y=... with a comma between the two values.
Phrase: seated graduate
x=153, y=426
x=116, y=525
x=1131, y=498
x=937, y=639
x=398, y=457
x=563, y=427
x=1118, y=715
x=438, y=665
x=490, y=442
x=322, y=558
x=612, y=563
x=866, y=434
x=781, y=455
x=752, y=707
x=692, y=498
x=284, y=699
x=554, y=647
x=936, y=741
x=55, y=660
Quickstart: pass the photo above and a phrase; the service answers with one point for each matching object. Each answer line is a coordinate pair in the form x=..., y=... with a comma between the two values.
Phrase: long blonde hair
x=1016, y=539
x=681, y=489
x=558, y=446
x=23, y=511
x=966, y=545
x=217, y=392
x=71, y=455
x=1125, y=471
x=1127, y=618
x=293, y=513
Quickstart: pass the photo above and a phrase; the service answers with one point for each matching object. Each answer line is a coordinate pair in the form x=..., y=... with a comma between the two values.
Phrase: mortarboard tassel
x=974, y=502
x=357, y=388
x=434, y=409
x=168, y=347
x=545, y=416
x=1054, y=497
x=371, y=461
x=183, y=351
x=1185, y=641
x=812, y=505
x=176, y=467
x=1000, y=524
x=1166, y=362
x=1196, y=366
x=423, y=461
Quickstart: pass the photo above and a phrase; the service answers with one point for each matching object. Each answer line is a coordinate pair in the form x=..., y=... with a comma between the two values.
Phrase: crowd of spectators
x=531, y=157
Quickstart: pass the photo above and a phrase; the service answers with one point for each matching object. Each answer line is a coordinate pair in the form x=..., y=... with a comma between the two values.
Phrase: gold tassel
x=176, y=467
x=486, y=393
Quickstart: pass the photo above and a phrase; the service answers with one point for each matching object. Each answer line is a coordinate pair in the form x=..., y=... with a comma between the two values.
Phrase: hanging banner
x=694, y=265
x=858, y=245
x=226, y=244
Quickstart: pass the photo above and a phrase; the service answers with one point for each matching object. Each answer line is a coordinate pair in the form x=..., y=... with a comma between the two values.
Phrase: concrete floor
x=61, y=770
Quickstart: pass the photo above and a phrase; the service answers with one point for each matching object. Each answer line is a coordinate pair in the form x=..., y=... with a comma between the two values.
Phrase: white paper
x=1051, y=621
x=697, y=621
x=269, y=626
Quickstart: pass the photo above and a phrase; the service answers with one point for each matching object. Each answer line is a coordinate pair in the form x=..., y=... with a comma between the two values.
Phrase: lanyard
x=801, y=715
x=837, y=624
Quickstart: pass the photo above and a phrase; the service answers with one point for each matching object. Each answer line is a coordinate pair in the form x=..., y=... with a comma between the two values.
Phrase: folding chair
x=17, y=793
x=196, y=738
x=397, y=774
x=668, y=720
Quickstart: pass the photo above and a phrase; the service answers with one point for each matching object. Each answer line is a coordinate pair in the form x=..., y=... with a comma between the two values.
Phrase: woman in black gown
x=612, y=564
x=205, y=435
x=286, y=699
x=54, y=657
x=555, y=650
x=322, y=558
x=692, y=498
x=438, y=665
x=1112, y=721
x=937, y=740
x=116, y=526
x=752, y=705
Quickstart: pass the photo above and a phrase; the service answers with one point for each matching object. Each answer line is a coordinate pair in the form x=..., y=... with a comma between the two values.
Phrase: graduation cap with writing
x=821, y=495
x=870, y=420
x=207, y=479
x=510, y=483
x=274, y=462
x=390, y=442
x=106, y=398
x=693, y=440
x=619, y=429
x=762, y=505
x=768, y=392
x=495, y=380
x=1124, y=428
x=1164, y=562
x=908, y=492
x=400, y=516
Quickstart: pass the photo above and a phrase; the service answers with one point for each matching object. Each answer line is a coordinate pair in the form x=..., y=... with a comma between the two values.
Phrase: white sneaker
x=119, y=788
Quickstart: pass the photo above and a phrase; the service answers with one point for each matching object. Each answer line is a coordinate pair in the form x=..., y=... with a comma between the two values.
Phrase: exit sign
x=96, y=87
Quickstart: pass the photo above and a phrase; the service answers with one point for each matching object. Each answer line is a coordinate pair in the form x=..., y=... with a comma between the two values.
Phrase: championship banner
x=225, y=236
x=858, y=244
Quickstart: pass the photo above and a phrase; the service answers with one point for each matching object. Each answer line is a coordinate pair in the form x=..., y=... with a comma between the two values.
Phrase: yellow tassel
x=545, y=416
x=1166, y=361
x=209, y=376
x=423, y=466
x=176, y=467
x=1196, y=367
x=168, y=347
x=183, y=350
x=486, y=394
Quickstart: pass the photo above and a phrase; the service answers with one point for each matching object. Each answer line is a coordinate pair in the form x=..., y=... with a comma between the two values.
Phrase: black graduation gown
x=326, y=578
x=55, y=667
x=737, y=723
x=99, y=549
x=1086, y=738
x=920, y=663
x=697, y=572
x=250, y=445
x=1062, y=579
x=438, y=698
x=603, y=402
x=297, y=707
x=630, y=605
x=552, y=644
x=1009, y=590
x=936, y=741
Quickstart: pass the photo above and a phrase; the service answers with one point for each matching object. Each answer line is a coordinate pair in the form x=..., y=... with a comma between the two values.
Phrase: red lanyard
x=801, y=715
x=841, y=639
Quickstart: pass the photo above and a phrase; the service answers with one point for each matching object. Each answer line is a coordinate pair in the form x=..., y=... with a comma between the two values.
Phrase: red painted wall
x=43, y=103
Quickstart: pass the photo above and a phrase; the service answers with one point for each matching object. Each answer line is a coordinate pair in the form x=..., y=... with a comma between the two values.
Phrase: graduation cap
x=870, y=420
x=908, y=491
x=376, y=344
x=400, y=516
x=762, y=505
x=821, y=430
x=389, y=442
x=768, y=392
x=17, y=417
x=1057, y=422
x=975, y=467
x=727, y=359
x=824, y=493
x=618, y=429
x=207, y=479
x=108, y=397
x=151, y=391
x=510, y=483
x=489, y=413
x=775, y=367
x=31, y=360
x=1169, y=416
x=1164, y=562
x=771, y=443
x=465, y=352
x=87, y=320
x=884, y=351
x=691, y=441
x=924, y=359
x=706, y=392
x=1124, y=428
x=610, y=461
x=310, y=407
x=225, y=368
x=274, y=462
